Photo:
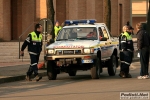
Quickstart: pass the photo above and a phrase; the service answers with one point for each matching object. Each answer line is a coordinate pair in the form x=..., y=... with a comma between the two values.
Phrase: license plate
x=69, y=52
x=87, y=61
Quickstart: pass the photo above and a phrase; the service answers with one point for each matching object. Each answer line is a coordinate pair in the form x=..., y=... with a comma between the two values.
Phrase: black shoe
x=122, y=74
x=28, y=78
x=37, y=77
x=128, y=75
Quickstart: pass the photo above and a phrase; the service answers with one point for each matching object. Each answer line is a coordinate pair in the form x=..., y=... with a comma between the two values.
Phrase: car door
x=108, y=42
x=102, y=44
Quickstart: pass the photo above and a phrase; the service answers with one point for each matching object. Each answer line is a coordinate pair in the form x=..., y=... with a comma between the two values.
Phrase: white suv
x=82, y=45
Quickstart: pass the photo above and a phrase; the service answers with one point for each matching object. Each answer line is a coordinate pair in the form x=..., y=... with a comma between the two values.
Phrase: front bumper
x=54, y=57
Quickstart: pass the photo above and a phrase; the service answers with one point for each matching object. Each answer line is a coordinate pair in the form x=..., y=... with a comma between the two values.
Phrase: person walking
x=143, y=43
x=126, y=54
x=34, y=43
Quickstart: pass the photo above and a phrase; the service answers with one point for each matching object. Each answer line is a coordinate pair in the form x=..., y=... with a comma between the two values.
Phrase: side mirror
x=103, y=39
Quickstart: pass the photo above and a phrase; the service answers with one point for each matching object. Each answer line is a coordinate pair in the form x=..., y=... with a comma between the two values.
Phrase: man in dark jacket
x=143, y=43
x=34, y=43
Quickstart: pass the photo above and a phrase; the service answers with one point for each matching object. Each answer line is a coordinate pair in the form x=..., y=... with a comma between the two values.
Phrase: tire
x=72, y=73
x=112, y=65
x=51, y=71
x=95, y=70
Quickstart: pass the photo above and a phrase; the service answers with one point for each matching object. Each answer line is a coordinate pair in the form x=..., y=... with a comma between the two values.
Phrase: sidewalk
x=10, y=72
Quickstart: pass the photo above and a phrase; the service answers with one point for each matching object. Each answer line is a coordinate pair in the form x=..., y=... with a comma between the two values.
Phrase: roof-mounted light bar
x=70, y=22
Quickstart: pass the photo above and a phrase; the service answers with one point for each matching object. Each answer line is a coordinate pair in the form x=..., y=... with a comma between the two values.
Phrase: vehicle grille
x=67, y=52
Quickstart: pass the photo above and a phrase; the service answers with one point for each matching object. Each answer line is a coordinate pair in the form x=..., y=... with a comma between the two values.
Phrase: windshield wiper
x=71, y=39
x=85, y=38
x=65, y=39
x=61, y=39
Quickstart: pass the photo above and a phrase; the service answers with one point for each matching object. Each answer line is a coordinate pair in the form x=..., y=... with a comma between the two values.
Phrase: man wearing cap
x=126, y=47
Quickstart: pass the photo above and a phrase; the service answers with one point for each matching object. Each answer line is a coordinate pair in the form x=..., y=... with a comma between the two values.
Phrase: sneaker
x=140, y=77
x=37, y=77
x=145, y=77
x=28, y=78
x=122, y=74
x=128, y=75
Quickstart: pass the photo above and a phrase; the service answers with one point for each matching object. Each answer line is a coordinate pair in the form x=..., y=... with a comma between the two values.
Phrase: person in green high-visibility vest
x=126, y=51
x=57, y=28
x=34, y=43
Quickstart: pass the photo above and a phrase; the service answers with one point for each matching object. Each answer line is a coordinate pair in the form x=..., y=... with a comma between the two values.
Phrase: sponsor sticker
x=75, y=46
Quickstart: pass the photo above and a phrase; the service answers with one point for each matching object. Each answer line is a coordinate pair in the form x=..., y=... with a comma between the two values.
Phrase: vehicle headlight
x=87, y=50
x=50, y=51
x=91, y=50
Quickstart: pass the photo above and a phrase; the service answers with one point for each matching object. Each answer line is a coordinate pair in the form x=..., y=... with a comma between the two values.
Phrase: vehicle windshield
x=77, y=33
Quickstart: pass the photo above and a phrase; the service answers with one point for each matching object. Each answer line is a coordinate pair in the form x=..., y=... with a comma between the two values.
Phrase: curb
x=17, y=78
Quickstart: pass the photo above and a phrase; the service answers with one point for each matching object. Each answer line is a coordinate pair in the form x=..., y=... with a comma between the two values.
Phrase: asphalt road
x=80, y=87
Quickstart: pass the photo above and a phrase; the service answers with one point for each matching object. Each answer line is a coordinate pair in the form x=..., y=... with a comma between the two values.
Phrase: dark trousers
x=144, y=60
x=33, y=66
x=126, y=59
x=121, y=60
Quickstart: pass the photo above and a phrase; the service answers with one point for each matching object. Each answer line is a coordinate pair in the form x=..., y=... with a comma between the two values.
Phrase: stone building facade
x=19, y=16
x=139, y=12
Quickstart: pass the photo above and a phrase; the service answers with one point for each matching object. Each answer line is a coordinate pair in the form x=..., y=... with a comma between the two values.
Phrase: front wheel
x=112, y=65
x=95, y=70
x=51, y=71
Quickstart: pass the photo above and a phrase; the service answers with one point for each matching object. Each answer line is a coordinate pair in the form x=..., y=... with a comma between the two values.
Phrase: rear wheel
x=51, y=71
x=95, y=70
x=112, y=65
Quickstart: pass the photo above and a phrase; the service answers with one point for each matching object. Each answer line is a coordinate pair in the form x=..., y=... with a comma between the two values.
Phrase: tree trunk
x=50, y=14
x=107, y=13
x=148, y=20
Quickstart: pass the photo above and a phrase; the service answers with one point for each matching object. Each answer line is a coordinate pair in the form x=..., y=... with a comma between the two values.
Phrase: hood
x=73, y=44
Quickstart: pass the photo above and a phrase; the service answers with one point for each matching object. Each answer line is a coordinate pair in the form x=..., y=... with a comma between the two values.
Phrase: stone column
x=1, y=19
x=16, y=18
x=114, y=17
x=99, y=10
x=126, y=11
x=60, y=10
x=28, y=16
x=43, y=9
x=90, y=9
x=73, y=9
x=82, y=9
x=38, y=10
x=5, y=21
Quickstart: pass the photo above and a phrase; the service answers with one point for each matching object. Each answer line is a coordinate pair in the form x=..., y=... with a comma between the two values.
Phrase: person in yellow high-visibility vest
x=57, y=28
x=34, y=43
x=126, y=51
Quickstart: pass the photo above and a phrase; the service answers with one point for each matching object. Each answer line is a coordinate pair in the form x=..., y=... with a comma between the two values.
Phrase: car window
x=105, y=33
x=78, y=33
